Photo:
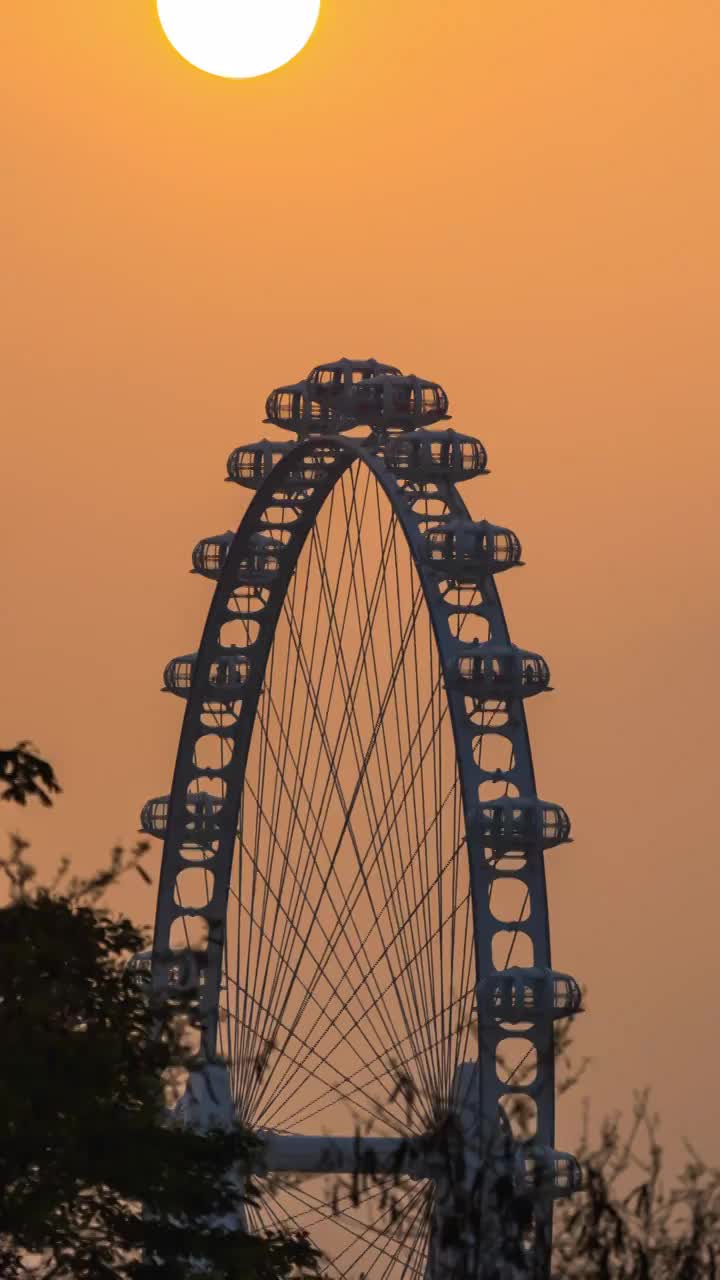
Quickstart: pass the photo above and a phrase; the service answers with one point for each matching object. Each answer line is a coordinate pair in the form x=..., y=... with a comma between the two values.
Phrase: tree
x=23, y=774
x=632, y=1220
x=93, y=1185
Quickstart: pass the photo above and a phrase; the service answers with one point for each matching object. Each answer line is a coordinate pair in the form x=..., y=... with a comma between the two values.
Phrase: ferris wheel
x=352, y=877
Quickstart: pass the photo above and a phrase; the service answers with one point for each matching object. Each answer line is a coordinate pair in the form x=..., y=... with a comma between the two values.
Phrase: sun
x=238, y=38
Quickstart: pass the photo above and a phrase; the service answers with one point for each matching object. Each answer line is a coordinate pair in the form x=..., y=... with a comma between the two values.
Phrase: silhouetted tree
x=93, y=1184
x=24, y=774
x=634, y=1219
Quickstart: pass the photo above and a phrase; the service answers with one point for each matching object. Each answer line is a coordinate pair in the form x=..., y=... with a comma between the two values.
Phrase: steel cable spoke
x=400, y=936
x=428, y=943
x=370, y=931
x=373, y=816
x=268, y=685
x=357, y=788
x=297, y=1118
x=382, y=956
x=355, y=991
x=392, y=876
x=414, y=1194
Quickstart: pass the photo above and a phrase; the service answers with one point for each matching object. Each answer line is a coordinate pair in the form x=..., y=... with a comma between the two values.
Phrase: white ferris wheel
x=353, y=865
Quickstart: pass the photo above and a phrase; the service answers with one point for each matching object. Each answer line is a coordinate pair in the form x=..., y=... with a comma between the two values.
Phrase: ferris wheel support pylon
x=486, y=681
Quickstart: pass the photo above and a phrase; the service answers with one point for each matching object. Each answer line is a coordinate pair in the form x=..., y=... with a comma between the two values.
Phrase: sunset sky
x=518, y=198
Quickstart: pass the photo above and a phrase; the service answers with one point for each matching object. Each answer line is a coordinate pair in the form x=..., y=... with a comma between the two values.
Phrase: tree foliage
x=93, y=1186
x=634, y=1220
x=24, y=775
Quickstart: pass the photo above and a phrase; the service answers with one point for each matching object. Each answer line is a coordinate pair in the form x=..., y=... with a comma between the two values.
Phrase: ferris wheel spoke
x=416, y=1213
x=363, y=1234
x=279, y=773
x=367, y=1011
x=361, y=1019
x=458, y=1035
x=420, y=1052
x=255, y=928
x=281, y=954
x=319, y=818
x=410, y=860
x=399, y=778
x=366, y=626
x=438, y=831
x=373, y=1107
x=388, y=815
x=390, y=985
x=347, y=1205
x=297, y=636
x=427, y=984
x=326, y=935
x=367, y=1241
x=386, y=1077
x=374, y=816
x=312, y=1048
x=319, y=967
x=395, y=872
x=421, y=800
x=348, y=718
x=515, y=932
x=372, y=601
x=241, y=1047
x=358, y=785
x=341, y=669
x=392, y=1045
x=283, y=1219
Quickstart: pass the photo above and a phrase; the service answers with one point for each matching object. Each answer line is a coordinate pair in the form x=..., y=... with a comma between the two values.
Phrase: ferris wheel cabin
x=345, y=394
x=435, y=455
x=201, y=816
x=501, y=671
x=462, y=549
x=250, y=464
x=226, y=678
x=524, y=995
x=520, y=825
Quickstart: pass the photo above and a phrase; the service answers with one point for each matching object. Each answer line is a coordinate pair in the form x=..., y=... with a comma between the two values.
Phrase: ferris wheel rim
x=346, y=451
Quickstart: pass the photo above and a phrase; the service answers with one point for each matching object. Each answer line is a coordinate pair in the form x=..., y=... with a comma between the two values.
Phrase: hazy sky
x=519, y=198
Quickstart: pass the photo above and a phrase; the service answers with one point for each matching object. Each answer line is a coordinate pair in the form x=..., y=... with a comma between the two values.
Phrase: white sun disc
x=238, y=38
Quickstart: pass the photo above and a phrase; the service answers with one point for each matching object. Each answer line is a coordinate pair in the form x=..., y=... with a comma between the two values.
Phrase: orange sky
x=519, y=199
